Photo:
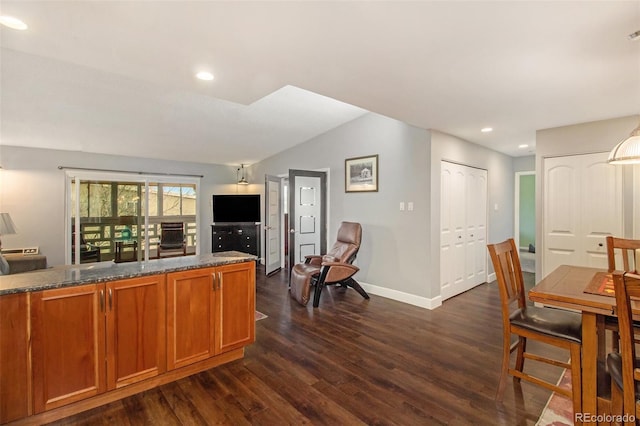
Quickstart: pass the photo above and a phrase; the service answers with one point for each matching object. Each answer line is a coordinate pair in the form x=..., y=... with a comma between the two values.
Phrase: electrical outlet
x=410, y=206
x=401, y=206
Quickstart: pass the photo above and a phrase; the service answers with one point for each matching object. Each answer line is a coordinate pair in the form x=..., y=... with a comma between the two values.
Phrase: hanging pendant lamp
x=628, y=150
x=243, y=180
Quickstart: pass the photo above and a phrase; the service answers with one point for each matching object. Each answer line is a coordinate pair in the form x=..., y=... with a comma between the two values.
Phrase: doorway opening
x=525, y=219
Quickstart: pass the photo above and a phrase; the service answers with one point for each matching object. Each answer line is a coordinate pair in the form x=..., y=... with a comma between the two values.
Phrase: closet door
x=463, y=229
x=476, y=234
x=582, y=205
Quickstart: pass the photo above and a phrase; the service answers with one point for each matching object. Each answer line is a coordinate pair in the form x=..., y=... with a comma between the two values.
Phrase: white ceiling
x=118, y=76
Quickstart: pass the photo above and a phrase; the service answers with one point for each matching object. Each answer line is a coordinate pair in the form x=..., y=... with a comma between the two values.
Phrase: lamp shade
x=6, y=224
x=627, y=151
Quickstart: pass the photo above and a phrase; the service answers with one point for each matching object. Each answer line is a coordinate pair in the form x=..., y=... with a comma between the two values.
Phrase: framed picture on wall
x=361, y=174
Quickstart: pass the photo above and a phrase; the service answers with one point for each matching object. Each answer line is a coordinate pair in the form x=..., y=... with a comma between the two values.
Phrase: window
x=117, y=214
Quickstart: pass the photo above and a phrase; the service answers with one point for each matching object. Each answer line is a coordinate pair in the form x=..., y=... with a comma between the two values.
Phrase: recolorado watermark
x=604, y=418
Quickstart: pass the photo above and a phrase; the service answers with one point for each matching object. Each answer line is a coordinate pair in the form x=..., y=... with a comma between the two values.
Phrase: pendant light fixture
x=628, y=150
x=242, y=180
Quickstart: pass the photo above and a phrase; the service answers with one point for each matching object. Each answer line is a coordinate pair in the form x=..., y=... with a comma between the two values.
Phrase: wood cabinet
x=69, y=349
x=191, y=300
x=136, y=337
x=68, y=345
x=209, y=311
x=236, y=324
x=243, y=237
x=14, y=357
x=91, y=338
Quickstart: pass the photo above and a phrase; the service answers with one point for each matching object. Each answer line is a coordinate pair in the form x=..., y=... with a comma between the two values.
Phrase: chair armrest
x=313, y=259
x=338, y=271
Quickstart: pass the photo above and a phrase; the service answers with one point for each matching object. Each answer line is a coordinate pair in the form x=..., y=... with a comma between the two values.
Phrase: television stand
x=241, y=236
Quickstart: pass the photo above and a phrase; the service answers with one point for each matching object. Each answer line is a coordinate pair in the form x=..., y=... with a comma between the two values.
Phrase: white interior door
x=307, y=223
x=272, y=228
x=582, y=205
x=463, y=228
x=476, y=235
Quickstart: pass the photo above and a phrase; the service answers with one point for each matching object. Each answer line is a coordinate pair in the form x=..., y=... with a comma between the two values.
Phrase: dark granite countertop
x=70, y=275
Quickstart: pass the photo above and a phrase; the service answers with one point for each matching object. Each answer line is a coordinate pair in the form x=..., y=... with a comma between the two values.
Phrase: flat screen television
x=236, y=208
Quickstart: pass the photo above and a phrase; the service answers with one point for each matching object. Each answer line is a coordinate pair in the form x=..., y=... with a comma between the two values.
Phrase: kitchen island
x=76, y=337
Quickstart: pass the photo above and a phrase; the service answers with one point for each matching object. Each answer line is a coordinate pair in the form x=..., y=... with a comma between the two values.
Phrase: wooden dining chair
x=627, y=250
x=623, y=365
x=555, y=327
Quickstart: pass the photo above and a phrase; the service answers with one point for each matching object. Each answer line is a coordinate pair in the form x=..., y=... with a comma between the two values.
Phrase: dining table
x=583, y=289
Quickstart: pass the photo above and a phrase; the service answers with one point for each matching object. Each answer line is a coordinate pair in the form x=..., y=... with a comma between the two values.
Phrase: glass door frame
x=77, y=176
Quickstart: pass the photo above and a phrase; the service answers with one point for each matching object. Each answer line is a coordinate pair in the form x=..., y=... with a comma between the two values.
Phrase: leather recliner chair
x=335, y=267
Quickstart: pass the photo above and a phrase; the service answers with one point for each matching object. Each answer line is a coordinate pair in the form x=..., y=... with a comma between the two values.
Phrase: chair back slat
x=628, y=250
x=627, y=287
x=506, y=264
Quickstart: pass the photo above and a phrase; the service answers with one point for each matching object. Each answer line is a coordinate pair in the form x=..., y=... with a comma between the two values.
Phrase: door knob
x=292, y=231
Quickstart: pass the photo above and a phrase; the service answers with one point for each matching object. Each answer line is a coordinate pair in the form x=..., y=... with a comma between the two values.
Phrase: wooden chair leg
x=506, y=356
x=522, y=347
x=576, y=377
x=616, y=401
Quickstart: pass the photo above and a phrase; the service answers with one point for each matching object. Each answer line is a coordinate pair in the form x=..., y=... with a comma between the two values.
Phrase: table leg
x=589, y=363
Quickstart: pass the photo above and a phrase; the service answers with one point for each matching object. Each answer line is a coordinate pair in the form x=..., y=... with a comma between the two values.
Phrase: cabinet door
x=14, y=367
x=68, y=345
x=136, y=330
x=190, y=314
x=222, y=239
x=247, y=241
x=236, y=307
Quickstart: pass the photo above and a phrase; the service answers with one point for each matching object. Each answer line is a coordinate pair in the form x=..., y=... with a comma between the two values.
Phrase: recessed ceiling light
x=11, y=22
x=522, y=146
x=487, y=130
x=205, y=75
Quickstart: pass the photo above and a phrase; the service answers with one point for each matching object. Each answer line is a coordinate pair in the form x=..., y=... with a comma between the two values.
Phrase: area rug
x=260, y=315
x=559, y=408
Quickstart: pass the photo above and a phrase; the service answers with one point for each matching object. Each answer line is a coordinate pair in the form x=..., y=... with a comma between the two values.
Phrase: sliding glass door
x=114, y=217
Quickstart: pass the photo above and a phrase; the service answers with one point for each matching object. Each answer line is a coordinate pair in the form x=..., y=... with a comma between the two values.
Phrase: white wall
x=584, y=138
x=394, y=254
x=399, y=257
x=524, y=164
x=32, y=191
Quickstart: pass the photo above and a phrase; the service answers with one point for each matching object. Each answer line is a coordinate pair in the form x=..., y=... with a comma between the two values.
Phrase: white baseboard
x=411, y=299
x=491, y=277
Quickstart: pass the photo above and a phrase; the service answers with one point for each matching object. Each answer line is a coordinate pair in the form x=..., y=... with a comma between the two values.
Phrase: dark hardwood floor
x=350, y=361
